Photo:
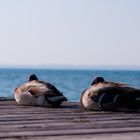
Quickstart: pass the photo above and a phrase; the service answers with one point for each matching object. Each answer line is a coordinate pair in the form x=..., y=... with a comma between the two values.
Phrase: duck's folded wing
x=51, y=87
x=110, y=98
x=113, y=91
x=40, y=91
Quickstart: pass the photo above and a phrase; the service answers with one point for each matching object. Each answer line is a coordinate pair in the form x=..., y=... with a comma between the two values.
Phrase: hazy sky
x=77, y=32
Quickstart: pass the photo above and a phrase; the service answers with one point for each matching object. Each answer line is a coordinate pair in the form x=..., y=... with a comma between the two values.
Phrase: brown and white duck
x=105, y=95
x=38, y=93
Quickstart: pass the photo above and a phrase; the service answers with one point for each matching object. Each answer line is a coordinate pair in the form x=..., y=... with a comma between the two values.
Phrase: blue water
x=70, y=82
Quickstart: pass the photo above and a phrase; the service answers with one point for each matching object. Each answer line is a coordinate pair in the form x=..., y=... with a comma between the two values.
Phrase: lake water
x=70, y=82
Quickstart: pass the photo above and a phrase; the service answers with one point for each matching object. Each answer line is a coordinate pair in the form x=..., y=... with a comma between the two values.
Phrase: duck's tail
x=56, y=100
x=116, y=101
x=137, y=98
x=131, y=100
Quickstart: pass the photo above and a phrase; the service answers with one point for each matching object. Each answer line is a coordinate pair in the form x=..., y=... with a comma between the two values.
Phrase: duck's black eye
x=97, y=80
x=33, y=77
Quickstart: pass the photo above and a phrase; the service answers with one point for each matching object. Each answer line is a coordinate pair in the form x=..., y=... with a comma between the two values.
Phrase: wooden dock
x=68, y=122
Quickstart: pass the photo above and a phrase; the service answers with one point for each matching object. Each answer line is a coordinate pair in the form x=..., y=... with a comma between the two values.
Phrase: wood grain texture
x=70, y=121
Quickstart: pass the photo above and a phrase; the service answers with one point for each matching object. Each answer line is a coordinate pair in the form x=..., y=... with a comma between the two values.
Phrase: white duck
x=38, y=93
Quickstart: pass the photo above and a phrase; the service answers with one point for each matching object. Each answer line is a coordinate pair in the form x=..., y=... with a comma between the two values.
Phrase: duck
x=105, y=95
x=35, y=92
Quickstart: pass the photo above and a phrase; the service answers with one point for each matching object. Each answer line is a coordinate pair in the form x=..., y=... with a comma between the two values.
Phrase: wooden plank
x=68, y=132
x=65, y=126
x=124, y=136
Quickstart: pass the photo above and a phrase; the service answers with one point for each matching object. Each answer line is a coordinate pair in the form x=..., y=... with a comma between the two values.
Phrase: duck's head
x=97, y=80
x=33, y=77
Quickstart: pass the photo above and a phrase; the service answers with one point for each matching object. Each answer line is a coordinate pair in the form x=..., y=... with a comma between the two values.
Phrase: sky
x=70, y=32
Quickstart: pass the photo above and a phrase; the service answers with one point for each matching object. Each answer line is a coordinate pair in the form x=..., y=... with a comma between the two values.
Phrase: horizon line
x=78, y=67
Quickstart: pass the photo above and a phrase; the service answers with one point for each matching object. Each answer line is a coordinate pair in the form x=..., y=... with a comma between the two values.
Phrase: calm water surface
x=70, y=82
